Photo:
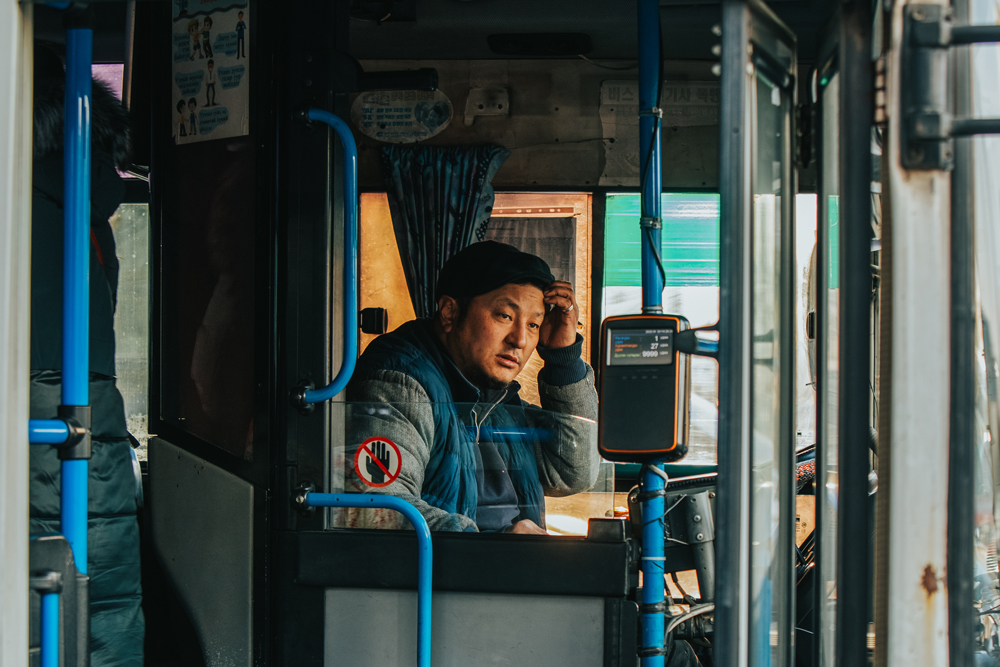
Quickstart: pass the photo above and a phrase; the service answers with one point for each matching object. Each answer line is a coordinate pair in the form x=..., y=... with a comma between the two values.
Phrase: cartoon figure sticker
x=211, y=89
x=378, y=462
x=401, y=116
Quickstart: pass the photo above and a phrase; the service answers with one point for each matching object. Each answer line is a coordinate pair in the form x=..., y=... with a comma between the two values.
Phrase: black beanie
x=489, y=265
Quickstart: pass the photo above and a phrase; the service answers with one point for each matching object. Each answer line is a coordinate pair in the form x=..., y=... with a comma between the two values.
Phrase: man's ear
x=448, y=312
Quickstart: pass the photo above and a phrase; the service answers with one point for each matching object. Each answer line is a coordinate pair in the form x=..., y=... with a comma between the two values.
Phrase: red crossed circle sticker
x=378, y=462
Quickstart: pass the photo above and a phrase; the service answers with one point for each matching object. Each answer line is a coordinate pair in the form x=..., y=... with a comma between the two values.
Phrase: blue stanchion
x=650, y=139
x=650, y=161
x=425, y=563
x=76, y=276
x=47, y=431
x=50, y=630
x=350, y=356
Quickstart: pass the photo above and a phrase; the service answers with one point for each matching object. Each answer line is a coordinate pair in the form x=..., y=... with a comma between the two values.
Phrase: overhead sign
x=377, y=462
x=401, y=116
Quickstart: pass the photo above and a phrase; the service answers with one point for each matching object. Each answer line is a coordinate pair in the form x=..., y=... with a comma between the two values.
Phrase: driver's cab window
x=505, y=461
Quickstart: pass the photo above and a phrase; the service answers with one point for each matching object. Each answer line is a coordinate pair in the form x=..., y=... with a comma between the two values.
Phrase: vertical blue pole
x=76, y=276
x=650, y=165
x=653, y=539
x=50, y=630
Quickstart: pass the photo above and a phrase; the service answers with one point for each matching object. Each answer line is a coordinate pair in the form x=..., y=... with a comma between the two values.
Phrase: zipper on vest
x=475, y=416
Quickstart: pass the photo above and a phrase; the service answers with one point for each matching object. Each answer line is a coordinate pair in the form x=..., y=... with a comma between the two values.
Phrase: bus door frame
x=744, y=26
x=843, y=461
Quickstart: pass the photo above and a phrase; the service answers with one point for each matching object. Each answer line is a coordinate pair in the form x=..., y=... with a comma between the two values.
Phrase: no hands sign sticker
x=378, y=462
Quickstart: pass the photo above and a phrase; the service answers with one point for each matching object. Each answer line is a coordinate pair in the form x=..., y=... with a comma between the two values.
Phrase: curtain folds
x=441, y=199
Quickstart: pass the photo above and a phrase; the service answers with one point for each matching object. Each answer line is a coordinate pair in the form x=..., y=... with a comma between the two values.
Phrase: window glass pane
x=555, y=227
x=511, y=454
x=131, y=228
x=829, y=293
x=767, y=593
x=986, y=156
x=690, y=252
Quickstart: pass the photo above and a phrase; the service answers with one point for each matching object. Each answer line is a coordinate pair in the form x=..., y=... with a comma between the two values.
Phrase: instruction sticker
x=402, y=116
x=378, y=462
x=211, y=70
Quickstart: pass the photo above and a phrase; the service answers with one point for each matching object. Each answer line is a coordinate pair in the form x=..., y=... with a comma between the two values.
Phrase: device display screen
x=640, y=347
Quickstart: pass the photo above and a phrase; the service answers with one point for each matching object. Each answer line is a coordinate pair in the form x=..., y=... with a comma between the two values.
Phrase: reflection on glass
x=499, y=464
x=767, y=587
x=131, y=228
x=829, y=295
x=986, y=156
x=690, y=253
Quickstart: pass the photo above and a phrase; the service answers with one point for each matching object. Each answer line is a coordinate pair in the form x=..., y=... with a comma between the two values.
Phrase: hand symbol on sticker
x=377, y=472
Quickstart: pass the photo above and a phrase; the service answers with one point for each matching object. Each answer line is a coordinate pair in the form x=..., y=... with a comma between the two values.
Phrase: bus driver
x=444, y=393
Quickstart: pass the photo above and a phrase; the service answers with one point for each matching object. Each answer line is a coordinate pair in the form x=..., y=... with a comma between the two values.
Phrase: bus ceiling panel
x=109, y=29
x=445, y=29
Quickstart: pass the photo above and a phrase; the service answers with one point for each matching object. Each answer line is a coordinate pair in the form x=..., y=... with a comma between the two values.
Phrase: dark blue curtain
x=441, y=199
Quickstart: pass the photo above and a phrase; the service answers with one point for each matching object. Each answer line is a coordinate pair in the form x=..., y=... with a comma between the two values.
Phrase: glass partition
x=473, y=466
x=828, y=308
x=985, y=103
x=690, y=253
x=131, y=227
x=768, y=586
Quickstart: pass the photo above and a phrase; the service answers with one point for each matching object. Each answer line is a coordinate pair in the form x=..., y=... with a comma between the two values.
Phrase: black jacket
x=117, y=626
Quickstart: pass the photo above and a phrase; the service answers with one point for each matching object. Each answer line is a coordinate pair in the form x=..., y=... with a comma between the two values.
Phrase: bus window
x=690, y=253
x=556, y=227
x=130, y=224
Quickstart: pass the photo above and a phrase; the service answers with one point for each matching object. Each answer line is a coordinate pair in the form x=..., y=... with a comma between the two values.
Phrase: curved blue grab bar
x=350, y=356
x=425, y=570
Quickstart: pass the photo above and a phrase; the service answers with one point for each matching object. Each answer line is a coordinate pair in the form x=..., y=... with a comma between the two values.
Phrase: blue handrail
x=76, y=276
x=50, y=630
x=653, y=479
x=47, y=431
x=350, y=356
x=425, y=569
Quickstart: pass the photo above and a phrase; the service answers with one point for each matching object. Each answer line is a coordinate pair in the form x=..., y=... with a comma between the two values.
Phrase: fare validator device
x=645, y=389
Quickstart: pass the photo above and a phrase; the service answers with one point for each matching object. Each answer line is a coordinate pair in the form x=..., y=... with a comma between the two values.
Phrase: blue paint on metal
x=650, y=160
x=653, y=538
x=76, y=239
x=76, y=276
x=73, y=509
x=653, y=547
x=47, y=431
x=709, y=346
x=350, y=314
x=50, y=630
x=425, y=560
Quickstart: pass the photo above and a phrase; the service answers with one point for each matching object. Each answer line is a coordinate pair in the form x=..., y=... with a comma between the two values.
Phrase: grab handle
x=425, y=557
x=305, y=395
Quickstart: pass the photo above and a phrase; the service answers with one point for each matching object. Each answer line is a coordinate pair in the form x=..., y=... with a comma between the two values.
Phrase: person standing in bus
x=443, y=390
x=117, y=627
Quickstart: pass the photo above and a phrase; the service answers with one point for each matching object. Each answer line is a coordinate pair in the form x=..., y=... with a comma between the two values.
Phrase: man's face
x=494, y=340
